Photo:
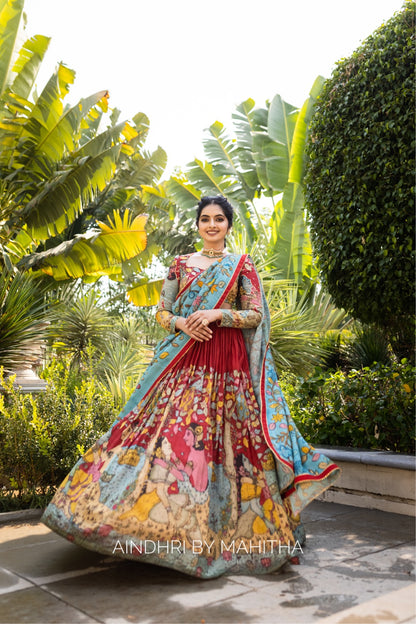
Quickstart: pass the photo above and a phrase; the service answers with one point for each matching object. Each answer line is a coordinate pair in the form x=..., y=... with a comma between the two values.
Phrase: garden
x=324, y=196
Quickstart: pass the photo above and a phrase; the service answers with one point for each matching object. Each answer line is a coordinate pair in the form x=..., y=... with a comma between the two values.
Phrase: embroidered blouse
x=244, y=296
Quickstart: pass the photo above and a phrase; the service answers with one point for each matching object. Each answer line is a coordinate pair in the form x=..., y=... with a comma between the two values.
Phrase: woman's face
x=189, y=437
x=166, y=448
x=213, y=226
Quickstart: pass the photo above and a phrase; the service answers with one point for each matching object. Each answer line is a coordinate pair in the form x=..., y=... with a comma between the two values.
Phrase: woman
x=204, y=463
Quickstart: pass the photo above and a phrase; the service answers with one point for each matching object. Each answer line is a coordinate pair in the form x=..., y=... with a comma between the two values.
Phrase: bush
x=42, y=436
x=367, y=408
x=359, y=185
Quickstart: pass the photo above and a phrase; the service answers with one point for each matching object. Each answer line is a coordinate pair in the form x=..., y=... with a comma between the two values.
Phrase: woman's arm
x=170, y=289
x=164, y=314
x=249, y=294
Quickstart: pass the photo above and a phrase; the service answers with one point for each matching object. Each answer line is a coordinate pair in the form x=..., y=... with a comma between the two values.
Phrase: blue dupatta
x=303, y=473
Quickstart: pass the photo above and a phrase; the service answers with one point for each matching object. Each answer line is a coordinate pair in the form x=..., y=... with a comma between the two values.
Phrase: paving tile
x=398, y=607
x=10, y=582
x=41, y=557
x=396, y=565
x=351, y=555
x=139, y=592
x=254, y=582
x=311, y=595
x=355, y=534
x=36, y=606
x=264, y=607
x=319, y=510
x=11, y=534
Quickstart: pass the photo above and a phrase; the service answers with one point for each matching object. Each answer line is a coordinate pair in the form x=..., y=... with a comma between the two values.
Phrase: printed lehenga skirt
x=186, y=479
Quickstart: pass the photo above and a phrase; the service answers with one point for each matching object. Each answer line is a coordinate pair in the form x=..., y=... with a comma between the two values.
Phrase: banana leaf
x=93, y=254
x=145, y=293
x=10, y=16
x=59, y=202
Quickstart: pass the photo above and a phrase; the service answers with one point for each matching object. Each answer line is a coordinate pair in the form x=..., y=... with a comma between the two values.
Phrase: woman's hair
x=198, y=432
x=220, y=201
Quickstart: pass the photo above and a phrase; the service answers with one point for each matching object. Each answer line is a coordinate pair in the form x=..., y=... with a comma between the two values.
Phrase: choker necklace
x=212, y=253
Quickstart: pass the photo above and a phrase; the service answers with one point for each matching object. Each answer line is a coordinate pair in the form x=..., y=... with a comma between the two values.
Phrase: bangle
x=172, y=328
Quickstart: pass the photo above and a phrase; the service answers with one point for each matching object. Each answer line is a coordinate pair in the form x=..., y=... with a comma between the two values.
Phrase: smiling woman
x=205, y=453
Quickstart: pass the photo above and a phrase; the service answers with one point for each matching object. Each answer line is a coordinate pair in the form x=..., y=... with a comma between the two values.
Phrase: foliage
x=42, y=436
x=69, y=190
x=259, y=167
x=79, y=326
x=22, y=316
x=360, y=177
x=124, y=358
x=366, y=408
x=369, y=345
x=298, y=325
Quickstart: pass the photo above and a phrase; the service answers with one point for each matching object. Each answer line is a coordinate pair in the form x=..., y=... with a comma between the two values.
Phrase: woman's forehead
x=212, y=210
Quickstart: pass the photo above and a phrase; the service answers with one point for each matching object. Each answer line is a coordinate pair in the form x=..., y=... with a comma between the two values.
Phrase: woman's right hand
x=200, y=334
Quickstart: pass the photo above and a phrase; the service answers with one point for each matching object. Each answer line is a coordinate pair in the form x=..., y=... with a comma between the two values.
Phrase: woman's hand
x=197, y=324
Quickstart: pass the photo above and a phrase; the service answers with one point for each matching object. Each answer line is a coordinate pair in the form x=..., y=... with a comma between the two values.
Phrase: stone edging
x=373, y=479
x=22, y=515
x=374, y=458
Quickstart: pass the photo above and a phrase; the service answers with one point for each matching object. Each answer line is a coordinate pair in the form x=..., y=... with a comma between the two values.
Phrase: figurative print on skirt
x=204, y=471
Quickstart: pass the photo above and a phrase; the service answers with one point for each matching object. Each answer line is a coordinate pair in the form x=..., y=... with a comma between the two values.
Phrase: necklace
x=212, y=253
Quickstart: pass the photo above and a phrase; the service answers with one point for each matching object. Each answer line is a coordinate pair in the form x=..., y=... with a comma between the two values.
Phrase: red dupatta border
x=191, y=341
x=263, y=419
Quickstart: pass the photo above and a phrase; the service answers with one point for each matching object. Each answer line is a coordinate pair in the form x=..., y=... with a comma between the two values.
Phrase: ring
x=205, y=322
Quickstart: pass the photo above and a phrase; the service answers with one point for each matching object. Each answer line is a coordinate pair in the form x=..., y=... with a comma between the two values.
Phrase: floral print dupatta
x=204, y=454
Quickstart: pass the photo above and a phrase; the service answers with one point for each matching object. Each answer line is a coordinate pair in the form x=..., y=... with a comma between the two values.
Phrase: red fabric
x=225, y=352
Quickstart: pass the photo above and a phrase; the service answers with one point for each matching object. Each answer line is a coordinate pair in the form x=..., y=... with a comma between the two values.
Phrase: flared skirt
x=186, y=479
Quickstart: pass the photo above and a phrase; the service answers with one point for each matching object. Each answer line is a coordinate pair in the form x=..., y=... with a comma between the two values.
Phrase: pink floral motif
x=219, y=407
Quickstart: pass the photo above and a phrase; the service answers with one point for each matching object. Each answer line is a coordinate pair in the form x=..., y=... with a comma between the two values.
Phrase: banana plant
x=63, y=180
x=289, y=232
x=260, y=170
x=92, y=254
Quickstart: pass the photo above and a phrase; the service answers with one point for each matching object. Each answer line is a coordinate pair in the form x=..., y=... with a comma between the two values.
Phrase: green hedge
x=369, y=408
x=42, y=436
x=360, y=178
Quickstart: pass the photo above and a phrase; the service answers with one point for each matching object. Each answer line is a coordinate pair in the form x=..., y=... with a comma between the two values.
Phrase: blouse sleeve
x=170, y=289
x=250, y=298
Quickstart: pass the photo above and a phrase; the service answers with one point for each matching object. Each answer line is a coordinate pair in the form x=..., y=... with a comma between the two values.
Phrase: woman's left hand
x=202, y=317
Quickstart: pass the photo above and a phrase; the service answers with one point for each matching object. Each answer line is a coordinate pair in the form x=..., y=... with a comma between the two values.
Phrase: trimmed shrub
x=359, y=184
x=369, y=408
x=42, y=436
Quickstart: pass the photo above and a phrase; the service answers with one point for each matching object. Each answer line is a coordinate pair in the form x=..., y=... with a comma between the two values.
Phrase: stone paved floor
x=352, y=556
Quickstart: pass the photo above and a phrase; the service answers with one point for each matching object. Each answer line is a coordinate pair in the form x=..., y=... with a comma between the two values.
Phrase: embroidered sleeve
x=170, y=288
x=249, y=298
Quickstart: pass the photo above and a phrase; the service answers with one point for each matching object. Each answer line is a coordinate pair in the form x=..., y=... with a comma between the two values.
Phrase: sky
x=187, y=63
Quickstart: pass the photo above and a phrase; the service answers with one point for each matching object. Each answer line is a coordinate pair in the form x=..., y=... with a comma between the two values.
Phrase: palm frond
x=22, y=319
x=298, y=326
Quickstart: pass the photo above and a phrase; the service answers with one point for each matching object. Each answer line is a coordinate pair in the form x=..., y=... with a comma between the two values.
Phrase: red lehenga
x=204, y=471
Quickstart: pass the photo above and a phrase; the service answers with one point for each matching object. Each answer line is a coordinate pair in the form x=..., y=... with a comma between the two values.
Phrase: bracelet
x=172, y=327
